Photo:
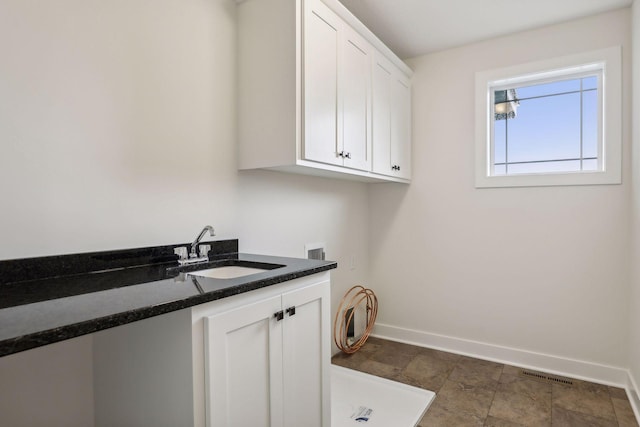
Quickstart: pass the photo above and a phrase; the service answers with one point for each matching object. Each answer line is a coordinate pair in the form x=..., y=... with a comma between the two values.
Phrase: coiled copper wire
x=354, y=297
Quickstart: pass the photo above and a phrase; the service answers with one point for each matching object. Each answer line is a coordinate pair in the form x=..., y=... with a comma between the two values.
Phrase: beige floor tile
x=529, y=410
x=474, y=400
x=624, y=412
x=515, y=383
x=561, y=417
x=475, y=372
x=586, y=398
x=351, y=361
x=379, y=369
x=427, y=371
x=441, y=355
x=617, y=393
x=443, y=416
x=395, y=354
x=497, y=422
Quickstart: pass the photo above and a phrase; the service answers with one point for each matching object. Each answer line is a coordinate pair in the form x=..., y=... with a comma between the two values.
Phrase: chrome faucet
x=194, y=245
x=194, y=257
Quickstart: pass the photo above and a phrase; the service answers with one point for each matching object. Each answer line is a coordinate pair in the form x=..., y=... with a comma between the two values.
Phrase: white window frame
x=609, y=61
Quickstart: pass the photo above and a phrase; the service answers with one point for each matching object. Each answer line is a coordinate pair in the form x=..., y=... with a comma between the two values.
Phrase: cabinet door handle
x=347, y=155
x=291, y=311
x=279, y=315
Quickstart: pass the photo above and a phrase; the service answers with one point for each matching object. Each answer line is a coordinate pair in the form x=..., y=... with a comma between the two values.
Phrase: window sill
x=549, y=179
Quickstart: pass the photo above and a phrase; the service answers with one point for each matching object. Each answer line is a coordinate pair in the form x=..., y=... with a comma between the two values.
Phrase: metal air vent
x=538, y=376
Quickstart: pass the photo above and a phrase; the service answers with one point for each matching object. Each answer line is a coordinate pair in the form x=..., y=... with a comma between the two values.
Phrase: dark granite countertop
x=50, y=299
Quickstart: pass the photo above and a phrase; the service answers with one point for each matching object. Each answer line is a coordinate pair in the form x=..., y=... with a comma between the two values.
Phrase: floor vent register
x=538, y=376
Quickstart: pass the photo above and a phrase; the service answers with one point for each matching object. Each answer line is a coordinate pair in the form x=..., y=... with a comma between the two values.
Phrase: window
x=555, y=122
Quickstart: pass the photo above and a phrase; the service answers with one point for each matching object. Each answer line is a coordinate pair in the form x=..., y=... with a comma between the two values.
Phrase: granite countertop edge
x=222, y=289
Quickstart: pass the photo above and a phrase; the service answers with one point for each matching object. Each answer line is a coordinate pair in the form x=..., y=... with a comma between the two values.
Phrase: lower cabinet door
x=244, y=366
x=267, y=363
x=307, y=356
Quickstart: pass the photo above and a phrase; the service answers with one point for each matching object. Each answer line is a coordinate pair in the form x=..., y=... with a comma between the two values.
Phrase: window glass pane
x=548, y=88
x=590, y=82
x=545, y=129
x=499, y=170
x=546, y=167
x=590, y=124
x=499, y=140
x=590, y=165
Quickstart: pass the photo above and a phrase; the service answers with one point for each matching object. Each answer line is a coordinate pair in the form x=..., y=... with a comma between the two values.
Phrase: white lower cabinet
x=267, y=362
x=230, y=362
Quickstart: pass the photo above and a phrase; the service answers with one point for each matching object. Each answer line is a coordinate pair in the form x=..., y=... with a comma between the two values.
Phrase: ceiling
x=415, y=27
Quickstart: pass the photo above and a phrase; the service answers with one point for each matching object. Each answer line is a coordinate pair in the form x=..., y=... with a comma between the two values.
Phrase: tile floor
x=473, y=392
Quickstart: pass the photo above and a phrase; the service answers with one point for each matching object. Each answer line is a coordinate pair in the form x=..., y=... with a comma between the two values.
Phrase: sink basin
x=227, y=272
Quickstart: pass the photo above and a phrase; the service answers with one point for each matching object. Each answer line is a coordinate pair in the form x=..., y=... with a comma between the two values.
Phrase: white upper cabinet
x=321, y=99
x=391, y=121
x=337, y=90
x=307, y=99
x=401, y=128
x=355, y=87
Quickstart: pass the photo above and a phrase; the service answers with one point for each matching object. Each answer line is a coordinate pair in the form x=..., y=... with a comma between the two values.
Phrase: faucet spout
x=194, y=245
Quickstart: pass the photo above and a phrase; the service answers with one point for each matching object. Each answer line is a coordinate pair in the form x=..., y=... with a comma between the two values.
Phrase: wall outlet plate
x=315, y=251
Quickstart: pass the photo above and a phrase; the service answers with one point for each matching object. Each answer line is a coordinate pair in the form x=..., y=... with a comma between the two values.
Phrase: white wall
x=279, y=213
x=542, y=270
x=634, y=298
x=117, y=130
x=117, y=124
x=48, y=386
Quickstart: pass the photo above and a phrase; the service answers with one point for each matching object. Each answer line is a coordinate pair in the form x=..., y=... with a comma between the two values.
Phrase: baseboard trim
x=632, y=394
x=578, y=369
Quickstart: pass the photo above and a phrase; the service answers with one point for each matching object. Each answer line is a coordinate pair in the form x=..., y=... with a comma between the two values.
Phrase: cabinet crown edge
x=344, y=13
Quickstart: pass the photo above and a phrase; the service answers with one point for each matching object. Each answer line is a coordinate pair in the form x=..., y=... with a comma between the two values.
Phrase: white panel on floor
x=359, y=399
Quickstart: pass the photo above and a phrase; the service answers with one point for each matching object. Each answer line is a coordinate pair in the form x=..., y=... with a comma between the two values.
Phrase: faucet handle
x=204, y=250
x=181, y=251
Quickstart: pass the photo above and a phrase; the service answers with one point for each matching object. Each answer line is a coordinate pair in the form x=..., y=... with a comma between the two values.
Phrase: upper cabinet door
x=382, y=116
x=391, y=120
x=321, y=57
x=356, y=100
x=401, y=128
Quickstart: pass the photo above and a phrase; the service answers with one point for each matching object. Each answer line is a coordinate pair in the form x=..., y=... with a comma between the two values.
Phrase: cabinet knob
x=344, y=155
x=279, y=315
x=291, y=311
x=347, y=155
x=395, y=167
